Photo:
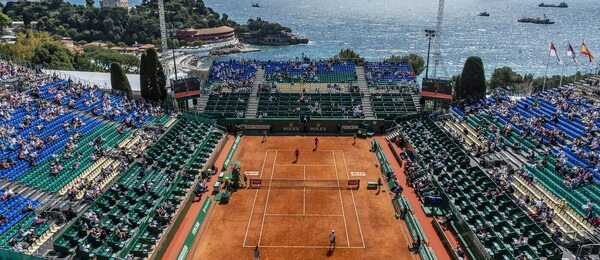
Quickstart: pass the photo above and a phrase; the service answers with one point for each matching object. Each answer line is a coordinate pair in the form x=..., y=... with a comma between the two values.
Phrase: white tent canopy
x=102, y=79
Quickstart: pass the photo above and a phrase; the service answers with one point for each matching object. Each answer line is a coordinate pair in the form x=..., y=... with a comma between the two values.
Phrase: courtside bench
x=402, y=203
x=426, y=253
x=414, y=228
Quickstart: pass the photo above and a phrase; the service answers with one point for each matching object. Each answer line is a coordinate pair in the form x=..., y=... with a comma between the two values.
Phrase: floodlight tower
x=163, y=25
x=437, y=42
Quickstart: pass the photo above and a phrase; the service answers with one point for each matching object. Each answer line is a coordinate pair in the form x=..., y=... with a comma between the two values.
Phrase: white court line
x=303, y=215
x=354, y=202
x=304, y=197
x=341, y=200
x=315, y=247
x=300, y=165
x=255, y=196
x=267, y=201
x=318, y=150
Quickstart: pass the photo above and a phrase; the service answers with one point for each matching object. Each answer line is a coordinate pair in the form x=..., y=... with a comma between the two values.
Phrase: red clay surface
x=294, y=223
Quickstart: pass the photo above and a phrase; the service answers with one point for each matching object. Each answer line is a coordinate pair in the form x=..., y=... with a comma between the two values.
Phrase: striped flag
x=571, y=52
x=585, y=51
x=554, y=53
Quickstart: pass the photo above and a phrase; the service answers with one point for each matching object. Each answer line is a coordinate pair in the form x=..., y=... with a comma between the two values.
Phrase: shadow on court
x=330, y=252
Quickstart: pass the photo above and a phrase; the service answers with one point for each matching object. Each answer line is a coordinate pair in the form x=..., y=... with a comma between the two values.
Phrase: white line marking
x=337, y=247
x=303, y=215
x=310, y=150
x=267, y=201
x=300, y=165
x=354, y=202
x=304, y=197
x=341, y=200
x=255, y=196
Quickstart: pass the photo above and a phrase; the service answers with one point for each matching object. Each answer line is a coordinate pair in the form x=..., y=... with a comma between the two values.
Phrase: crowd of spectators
x=390, y=73
x=577, y=153
x=88, y=97
x=232, y=70
x=305, y=70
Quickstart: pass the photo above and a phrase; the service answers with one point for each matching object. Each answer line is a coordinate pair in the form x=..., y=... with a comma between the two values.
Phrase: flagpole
x=562, y=74
x=546, y=73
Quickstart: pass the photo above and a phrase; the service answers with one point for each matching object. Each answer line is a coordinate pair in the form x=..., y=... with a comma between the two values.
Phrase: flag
x=571, y=52
x=554, y=53
x=585, y=51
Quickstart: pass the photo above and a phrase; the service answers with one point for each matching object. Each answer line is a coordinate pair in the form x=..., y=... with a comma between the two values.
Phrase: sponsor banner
x=236, y=142
x=317, y=129
x=255, y=127
x=251, y=173
x=191, y=237
x=348, y=127
x=291, y=129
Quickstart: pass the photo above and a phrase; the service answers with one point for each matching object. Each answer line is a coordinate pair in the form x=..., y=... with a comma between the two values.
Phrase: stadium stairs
x=364, y=89
x=252, y=108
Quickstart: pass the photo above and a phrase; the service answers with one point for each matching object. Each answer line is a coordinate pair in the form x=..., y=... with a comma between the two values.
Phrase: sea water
x=377, y=29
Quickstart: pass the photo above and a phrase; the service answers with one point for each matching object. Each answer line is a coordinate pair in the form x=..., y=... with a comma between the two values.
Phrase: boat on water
x=484, y=14
x=255, y=3
x=537, y=20
x=561, y=5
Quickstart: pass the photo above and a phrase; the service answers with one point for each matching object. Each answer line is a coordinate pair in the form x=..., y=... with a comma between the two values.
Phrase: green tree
x=416, y=62
x=156, y=76
x=53, y=56
x=348, y=55
x=89, y=3
x=472, y=85
x=504, y=77
x=118, y=79
x=144, y=81
x=4, y=21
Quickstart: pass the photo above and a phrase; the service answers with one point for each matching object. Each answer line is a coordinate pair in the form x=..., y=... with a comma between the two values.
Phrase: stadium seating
x=388, y=106
x=18, y=218
x=464, y=187
x=310, y=71
x=231, y=70
x=227, y=105
x=40, y=176
x=148, y=196
x=330, y=105
x=89, y=99
x=546, y=175
x=386, y=74
x=50, y=128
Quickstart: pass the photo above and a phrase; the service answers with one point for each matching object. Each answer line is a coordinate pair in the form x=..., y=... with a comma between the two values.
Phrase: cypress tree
x=144, y=88
x=118, y=79
x=472, y=85
x=153, y=66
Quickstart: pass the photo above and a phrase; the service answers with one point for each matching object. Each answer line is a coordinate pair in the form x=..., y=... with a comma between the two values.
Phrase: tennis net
x=303, y=183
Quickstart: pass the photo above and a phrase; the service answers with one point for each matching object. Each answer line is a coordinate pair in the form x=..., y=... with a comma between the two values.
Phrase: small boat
x=484, y=14
x=255, y=4
x=538, y=20
x=561, y=5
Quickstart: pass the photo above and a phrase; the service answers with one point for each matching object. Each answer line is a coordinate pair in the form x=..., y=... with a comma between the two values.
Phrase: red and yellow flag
x=585, y=51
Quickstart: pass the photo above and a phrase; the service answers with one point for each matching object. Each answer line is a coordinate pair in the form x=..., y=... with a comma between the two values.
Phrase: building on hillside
x=70, y=45
x=207, y=35
x=97, y=43
x=114, y=3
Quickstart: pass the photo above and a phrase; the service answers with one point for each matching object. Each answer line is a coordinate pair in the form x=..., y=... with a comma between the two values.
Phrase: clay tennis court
x=298, y=204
